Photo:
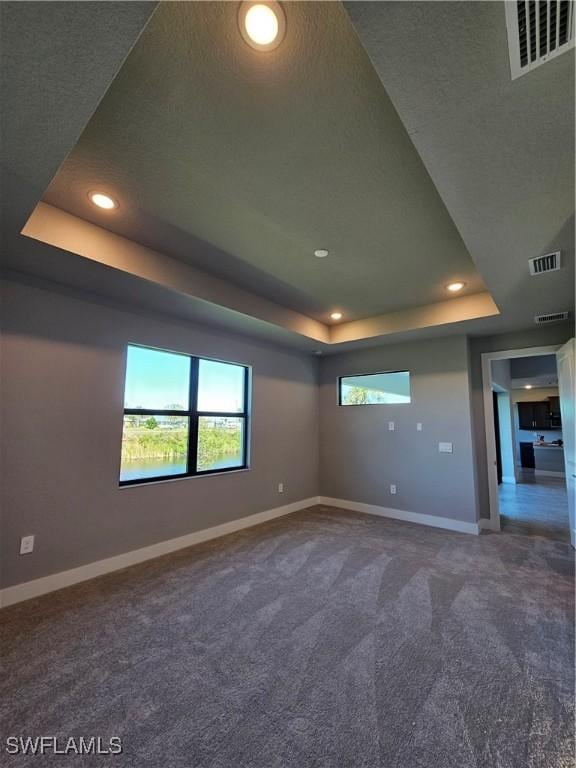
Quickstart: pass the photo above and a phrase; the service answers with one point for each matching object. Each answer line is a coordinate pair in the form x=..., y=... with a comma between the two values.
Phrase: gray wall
x=507, y=443
x=501, y=383
x=501, y=374
x=538, y=337
x=63, y=360
x=360, y=457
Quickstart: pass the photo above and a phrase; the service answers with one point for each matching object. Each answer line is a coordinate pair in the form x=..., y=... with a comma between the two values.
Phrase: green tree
x=357, y=396
x=151, y=423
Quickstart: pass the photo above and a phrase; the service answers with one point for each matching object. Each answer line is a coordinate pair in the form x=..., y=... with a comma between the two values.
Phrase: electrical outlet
x=391, y=426
x=419, y=426
x=280, y=487
x=445, y=447
x=26, y=545
x=392, y=489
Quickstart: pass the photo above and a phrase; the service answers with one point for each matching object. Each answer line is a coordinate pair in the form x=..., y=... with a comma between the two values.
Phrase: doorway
x=497, y=435
x=525, y=437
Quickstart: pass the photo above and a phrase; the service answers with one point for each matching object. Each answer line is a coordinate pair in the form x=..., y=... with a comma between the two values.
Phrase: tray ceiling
x=389, y=133
x=242, y=164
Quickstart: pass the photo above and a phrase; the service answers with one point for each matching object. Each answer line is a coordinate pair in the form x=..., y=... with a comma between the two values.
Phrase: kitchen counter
x=549, y=459
x=548, y=445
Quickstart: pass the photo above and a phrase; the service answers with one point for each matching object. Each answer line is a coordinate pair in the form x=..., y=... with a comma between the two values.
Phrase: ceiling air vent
x=548, y=263
x=552, y=317
x=538, y=30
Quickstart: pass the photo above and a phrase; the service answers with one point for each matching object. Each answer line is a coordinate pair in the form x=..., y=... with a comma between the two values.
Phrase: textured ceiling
x=541, y=371
x=500, y=151
x=242, y=163
x=57, y=60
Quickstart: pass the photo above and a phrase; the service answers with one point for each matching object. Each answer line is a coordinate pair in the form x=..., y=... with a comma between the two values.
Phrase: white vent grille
x=548, y=263
x=553, y=317
x=538, y=30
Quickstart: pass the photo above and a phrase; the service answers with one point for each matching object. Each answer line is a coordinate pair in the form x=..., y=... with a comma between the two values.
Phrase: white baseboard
x=399, y=514
x=548, y=473
x=487, y=524
x=37, y=587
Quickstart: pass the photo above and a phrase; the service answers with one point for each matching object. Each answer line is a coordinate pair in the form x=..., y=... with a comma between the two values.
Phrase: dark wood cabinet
x=533, y=415
x=542, y=415
x=555, y=416
x=525, y=416
x=539, y=415
x=527, y=455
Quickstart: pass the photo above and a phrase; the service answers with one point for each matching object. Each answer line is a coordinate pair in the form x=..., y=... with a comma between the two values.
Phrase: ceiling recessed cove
x=262, y=25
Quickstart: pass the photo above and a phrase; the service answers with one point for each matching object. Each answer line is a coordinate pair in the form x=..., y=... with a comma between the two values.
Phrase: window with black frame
x=183, y=416
x=385, y=388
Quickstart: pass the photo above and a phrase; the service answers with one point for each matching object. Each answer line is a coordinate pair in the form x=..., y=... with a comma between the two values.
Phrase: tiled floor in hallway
x=536, y=506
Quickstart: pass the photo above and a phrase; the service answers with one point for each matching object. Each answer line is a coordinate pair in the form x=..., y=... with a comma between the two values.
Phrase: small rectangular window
x=183, y=416
x=388, y=388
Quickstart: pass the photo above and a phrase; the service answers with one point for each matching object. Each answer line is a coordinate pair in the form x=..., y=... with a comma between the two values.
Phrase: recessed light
x=527, y=386
x=321, y=253
x=455, y=287
x=336, y=315
x=262, y=25
x=103, y=201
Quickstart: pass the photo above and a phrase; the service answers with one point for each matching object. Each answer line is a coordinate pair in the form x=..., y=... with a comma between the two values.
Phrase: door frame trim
x=493, y=523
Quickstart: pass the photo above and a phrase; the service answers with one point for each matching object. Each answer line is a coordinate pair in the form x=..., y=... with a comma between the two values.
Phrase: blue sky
x=156, y=379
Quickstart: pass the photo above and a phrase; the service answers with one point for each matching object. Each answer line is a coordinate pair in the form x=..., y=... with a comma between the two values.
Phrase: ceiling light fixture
x=262, y=25
x=336, y=315
x=527, y=386
x=321, y=253
x=103, y=201
x=455, y=287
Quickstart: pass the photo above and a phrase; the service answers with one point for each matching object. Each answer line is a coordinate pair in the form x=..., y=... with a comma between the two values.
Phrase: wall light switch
x=419, y=426
x=391, y=426
x=392, y=489
x=280, y=487
x=445, y=447
x=26, y=545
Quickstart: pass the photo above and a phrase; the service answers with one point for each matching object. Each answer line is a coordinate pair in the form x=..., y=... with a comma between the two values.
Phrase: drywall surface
x=501, y=383
x=507, y=444
x=63, y=365
x=537, y=337
x=361, y=457
x=501, y=374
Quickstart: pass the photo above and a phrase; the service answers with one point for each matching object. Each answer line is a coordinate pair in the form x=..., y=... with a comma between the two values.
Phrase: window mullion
x=193, y=427
x=245, y=443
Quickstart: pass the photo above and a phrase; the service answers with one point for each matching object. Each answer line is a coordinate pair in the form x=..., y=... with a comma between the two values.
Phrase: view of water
x=139, y=469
